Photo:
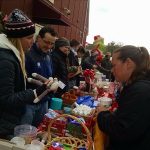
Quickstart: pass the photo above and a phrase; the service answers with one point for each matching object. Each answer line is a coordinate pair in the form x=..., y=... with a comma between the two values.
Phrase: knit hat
x=18, y=25
x=61, y=42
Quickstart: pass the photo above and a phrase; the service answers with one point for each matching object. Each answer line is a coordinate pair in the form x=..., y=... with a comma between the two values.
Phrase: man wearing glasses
x=38, y=60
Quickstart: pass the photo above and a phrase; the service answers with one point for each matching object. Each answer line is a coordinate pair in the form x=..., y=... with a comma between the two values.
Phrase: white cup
x=105, y=101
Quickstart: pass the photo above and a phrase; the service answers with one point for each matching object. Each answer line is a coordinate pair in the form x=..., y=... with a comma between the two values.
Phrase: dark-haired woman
x=129, y=126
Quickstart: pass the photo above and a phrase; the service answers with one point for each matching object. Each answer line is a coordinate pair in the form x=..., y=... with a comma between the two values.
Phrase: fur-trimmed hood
x=5, y=43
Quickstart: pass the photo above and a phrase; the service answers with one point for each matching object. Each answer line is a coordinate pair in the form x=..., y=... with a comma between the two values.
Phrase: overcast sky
x=124, y=21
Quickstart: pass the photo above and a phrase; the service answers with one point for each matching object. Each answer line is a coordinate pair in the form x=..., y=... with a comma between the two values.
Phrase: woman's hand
x=101, y=108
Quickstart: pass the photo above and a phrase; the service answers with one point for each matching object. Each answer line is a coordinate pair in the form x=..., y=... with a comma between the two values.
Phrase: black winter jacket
x=129, y=127
x=59, y=60
x=13, y=95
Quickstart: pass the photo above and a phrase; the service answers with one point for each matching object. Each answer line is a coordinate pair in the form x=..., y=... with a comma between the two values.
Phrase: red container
x=58, y=126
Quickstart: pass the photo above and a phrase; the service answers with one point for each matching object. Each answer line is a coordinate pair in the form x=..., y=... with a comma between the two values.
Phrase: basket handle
x=89, y=138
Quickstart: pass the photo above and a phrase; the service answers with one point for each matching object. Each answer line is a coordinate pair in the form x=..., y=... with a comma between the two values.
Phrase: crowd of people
x=50, y=56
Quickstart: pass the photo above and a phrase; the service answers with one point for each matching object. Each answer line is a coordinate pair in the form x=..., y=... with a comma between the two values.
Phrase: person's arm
x=101, y=69
x=8, y=96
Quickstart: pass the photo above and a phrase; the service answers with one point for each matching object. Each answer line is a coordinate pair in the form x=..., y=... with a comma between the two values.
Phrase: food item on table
x=105, y=101
x=82, y=110
x=72, y=69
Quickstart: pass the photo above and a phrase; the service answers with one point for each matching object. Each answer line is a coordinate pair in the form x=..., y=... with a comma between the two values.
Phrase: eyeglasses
x=48, y=42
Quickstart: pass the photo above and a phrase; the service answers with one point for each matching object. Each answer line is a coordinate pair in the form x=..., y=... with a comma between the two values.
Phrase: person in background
x=74, y=46
x=128, y=127
x=73, y=61
x=80, y=54
x=14, y=96
x=61, y=63
x=106, y=65
x=38, y=60
x=85, y=63
x=89, y=60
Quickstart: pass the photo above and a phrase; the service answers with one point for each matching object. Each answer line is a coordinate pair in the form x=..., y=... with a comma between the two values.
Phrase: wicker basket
x=89, y=122
x=71, y=141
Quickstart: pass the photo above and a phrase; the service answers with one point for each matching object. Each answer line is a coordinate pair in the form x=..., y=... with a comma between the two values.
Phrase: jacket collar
x=6, y=44
x=60, y=53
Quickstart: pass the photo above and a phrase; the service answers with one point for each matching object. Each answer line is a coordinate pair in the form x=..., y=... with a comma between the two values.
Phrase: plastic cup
x=56, y=104
x=26, y=131
x=105, y=101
